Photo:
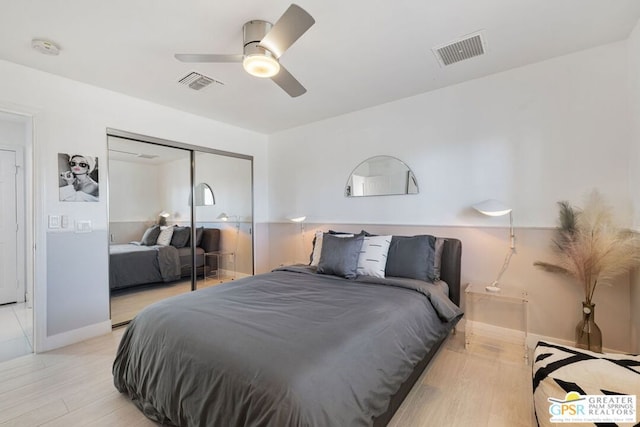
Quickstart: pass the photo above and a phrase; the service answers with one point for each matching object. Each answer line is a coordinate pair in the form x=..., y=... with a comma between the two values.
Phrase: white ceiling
x=360, y=53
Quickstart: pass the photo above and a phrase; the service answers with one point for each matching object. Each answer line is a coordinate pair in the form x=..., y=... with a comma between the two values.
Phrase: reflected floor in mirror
x=127, y=303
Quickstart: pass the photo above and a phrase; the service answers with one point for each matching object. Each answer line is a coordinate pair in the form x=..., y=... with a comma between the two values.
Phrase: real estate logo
x=577, y=408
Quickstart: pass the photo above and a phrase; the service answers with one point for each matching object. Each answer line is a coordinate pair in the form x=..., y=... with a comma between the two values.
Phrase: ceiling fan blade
x=292, y=24
x=288, y=83
x=192, y=57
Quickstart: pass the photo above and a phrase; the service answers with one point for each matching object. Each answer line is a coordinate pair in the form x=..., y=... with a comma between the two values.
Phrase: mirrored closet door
x=223, y=195
x=180, y=219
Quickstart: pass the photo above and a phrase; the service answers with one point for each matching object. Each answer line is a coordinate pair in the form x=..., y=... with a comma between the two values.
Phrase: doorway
x=16, y=309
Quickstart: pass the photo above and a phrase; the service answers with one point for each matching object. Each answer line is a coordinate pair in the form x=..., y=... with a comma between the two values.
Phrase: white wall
x=633, y=49
x=73, y=117
x=134, y=191
x=12, y=130
x=530, y=137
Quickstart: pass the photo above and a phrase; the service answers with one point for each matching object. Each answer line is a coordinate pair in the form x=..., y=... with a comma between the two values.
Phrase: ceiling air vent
x=197, y=81
x=461, y=49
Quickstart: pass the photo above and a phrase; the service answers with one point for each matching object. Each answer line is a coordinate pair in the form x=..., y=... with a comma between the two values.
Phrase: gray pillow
x=199, y=234
x=339, y=255
x=335, y=233
x=150, y=236
x=411, y=257
x=180, y=236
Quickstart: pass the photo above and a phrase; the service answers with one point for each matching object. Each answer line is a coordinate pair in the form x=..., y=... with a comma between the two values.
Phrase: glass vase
x=588, y=334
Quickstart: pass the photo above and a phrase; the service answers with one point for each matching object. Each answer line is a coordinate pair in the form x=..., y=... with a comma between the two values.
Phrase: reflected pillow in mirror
x=437, y=260
x=340, y=255
x=164, y=238
x=372, y=260
x=199, y=234
x=180, y=236
x=150, y=236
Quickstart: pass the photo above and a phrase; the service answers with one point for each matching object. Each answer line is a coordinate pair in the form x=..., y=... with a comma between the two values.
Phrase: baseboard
x=74, y=336
x=513, y=336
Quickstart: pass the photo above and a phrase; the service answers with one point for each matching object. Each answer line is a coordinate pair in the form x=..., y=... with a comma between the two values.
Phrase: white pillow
x=317, y=248
x=164, y=239
x=373, y=256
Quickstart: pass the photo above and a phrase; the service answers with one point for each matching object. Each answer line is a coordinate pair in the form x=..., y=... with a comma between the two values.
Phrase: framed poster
x=78, y=178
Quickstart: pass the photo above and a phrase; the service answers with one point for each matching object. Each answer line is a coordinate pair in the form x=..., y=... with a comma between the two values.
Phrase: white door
x=8, y=228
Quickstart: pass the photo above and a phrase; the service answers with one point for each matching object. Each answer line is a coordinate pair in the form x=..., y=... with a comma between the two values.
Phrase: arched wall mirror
x=381, y=176
x=204, y=195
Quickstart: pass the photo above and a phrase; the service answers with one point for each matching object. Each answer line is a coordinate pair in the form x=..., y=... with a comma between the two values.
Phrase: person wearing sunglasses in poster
x=78, y=185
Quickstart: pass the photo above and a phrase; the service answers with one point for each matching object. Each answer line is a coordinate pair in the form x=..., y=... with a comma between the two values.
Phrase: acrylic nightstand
x=512, y=305
x=224, y=261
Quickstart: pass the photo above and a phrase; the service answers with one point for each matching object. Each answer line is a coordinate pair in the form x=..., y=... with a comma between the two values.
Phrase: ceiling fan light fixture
x=260, y=65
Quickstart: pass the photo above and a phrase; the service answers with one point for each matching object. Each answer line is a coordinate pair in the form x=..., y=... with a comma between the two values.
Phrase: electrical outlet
x=83, y=226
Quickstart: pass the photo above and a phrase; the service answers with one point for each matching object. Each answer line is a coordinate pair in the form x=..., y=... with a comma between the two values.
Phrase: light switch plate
x=54, y=221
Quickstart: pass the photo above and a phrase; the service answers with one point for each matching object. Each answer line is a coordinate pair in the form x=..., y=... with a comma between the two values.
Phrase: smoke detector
x=461, y=49
x=45, y=47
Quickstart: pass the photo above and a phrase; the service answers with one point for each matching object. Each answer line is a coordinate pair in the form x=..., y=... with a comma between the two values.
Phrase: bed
x=135, y=264
x=288, y=348
x=559, y=370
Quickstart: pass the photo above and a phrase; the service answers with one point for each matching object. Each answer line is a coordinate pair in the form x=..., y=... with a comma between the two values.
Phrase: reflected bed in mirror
x=381, y=176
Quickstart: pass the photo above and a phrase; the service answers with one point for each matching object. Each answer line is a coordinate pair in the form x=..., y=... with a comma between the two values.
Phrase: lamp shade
x=297, y=218
x=223, y=216
x=492, y=207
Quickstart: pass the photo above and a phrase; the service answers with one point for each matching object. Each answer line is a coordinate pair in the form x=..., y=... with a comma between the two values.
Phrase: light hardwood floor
x=73, y=386
x=127, y=303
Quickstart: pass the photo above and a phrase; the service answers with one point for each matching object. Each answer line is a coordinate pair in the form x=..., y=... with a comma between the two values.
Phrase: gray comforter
x=131, y=264
x=286, y=348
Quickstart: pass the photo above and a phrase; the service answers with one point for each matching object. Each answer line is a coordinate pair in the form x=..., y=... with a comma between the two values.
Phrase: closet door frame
x=192, y=152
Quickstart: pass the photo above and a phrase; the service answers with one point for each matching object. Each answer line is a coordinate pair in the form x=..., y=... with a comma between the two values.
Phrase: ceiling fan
x=264, y=43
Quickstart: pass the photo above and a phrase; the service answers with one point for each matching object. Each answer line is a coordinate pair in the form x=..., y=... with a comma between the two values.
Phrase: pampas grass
x=590, y=249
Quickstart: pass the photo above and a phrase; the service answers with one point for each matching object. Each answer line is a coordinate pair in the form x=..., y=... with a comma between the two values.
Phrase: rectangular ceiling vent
x=197, y=81
x=461, y=49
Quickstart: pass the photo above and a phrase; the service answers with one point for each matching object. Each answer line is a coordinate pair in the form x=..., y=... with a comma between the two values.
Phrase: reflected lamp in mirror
x=224, y=217
x=381, y=176
x=204, y=195
x=495, y=208
x=162, y=218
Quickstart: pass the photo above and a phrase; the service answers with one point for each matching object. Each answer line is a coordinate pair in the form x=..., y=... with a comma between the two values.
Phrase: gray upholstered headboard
x=451, y=266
